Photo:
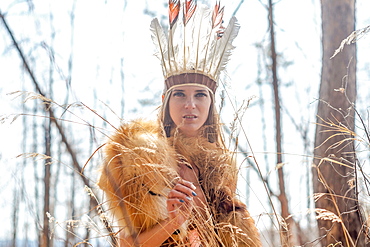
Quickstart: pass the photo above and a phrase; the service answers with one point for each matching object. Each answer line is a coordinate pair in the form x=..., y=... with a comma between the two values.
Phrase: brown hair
x=210, y=130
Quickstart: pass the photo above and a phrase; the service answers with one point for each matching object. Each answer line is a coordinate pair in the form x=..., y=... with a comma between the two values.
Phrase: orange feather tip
x=174, y=10
x=189, y=10
x=218, y=14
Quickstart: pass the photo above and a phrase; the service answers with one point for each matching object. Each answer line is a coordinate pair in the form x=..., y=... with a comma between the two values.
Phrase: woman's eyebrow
x=197, y=91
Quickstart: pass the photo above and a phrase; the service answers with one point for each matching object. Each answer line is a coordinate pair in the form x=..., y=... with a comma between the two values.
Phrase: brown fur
x=218, y=178
x=137, y=174
x=139, y=169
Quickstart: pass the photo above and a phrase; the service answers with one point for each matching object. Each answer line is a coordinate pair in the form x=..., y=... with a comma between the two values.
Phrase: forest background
x=94, y=60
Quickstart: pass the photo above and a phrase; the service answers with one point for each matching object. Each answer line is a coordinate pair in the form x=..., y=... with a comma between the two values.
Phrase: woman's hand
x=180, y=202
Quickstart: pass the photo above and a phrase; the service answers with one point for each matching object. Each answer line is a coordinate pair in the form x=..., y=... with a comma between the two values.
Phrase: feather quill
x=160, y=41
x=200, y=34
x=174, y=11
x=189, y=9
x=216, y=20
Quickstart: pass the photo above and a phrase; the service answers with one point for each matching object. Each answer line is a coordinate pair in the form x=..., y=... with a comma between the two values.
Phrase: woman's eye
x=178, y=94
x=201, y=95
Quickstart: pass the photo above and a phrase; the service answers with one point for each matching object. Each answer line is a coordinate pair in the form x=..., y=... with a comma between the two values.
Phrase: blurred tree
x=287, y=234
x=47, y=174
x=334, y=171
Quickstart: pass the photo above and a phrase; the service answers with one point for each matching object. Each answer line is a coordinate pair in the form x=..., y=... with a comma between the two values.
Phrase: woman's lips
x=189, y=116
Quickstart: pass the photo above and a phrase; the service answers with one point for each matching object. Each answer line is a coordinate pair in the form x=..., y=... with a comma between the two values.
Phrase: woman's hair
x=210, y=130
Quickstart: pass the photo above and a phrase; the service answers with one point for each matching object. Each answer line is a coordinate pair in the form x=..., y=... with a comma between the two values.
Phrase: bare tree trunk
x=72, y=211
x=70, y=233
x=285, y=232
x=16, y=193
x=15, y=217
x=333, y=176
x=36, y=178
x=46, y=241
x=272, y=230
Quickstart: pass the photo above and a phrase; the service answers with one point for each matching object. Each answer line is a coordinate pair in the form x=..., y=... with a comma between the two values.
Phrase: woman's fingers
x=182, y=192
x=180, y=200
x=185, y=187
x=187, y=184
x=174, y=204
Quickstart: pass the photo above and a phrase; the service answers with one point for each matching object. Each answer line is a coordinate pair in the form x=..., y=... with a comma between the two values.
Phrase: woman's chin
x=189, y=131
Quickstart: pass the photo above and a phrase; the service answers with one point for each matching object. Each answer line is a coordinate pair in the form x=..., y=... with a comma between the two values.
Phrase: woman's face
x=189, y=108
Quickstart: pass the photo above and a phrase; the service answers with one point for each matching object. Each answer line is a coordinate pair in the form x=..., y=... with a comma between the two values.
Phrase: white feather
x=174, y=45
x=224, y=47
x=160, y=41
x=201, y=30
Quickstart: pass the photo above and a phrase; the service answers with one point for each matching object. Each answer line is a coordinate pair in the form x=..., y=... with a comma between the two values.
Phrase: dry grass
x=352, y=38
x=359, y=180
x=109, y=230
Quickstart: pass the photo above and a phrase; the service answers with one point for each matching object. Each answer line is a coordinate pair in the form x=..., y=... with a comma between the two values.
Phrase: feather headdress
x=197, y=46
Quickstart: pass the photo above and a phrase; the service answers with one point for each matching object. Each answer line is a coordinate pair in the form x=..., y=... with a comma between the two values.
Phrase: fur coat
x=140, y=168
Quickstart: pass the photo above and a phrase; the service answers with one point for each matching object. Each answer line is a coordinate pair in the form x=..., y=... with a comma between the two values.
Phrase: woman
x=172, y=182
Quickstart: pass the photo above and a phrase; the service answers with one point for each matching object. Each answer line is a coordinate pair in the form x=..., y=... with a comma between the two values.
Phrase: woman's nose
x=190, y=103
